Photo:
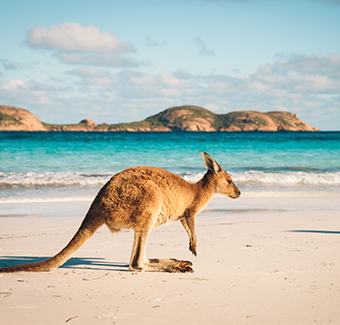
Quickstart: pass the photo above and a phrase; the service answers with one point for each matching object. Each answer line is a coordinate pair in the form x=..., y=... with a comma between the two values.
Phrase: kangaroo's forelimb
x=189, y=226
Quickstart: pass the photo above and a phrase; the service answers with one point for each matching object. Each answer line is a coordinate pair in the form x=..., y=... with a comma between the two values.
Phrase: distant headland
x=180, y=118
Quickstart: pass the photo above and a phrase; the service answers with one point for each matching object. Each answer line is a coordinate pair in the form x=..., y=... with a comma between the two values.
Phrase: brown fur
x=141, y=198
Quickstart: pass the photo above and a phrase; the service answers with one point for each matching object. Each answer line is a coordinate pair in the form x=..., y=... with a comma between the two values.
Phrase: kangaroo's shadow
x=85, y=263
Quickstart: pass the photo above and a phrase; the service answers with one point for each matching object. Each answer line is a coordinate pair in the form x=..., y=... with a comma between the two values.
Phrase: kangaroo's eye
x=229, y=182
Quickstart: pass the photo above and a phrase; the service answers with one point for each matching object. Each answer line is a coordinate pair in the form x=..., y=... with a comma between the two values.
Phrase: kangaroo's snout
x=237, y=193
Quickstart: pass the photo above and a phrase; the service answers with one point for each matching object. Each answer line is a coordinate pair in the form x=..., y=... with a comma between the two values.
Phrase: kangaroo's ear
x=210, y=163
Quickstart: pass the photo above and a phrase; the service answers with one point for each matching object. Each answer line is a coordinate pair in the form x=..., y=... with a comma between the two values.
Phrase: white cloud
x=90, y=72
x=85, y=45
x=220, y=88
x=76, y=38
x=166, y=92
x=99, y=59
x=169, y=80
x=93, y=76
x=143, y=80
x=317, y=84
x=259, y=86
x=314, y=64
x=17, y=87
x=161, y=80
x=22, y=93
x=13, y=85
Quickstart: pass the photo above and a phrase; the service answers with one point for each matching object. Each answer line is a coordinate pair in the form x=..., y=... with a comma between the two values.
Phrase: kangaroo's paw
x=180, y=269
x=172, y=265
x=170, y=261
x=164, y=265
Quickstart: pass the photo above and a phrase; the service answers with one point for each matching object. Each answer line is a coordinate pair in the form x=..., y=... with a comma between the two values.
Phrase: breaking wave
x=46, y=200
x=258, y=178
x=52, y=179
x=251, y=177
x=289, y=178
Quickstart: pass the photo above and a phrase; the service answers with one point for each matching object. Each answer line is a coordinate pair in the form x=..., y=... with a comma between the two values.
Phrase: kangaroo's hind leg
x=139, y=262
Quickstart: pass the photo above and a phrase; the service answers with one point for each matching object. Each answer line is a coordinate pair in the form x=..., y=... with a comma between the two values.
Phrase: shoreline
x=258, y=267
x=249, y=202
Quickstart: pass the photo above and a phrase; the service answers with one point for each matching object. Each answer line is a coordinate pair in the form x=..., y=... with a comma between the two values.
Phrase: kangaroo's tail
x=86, y=230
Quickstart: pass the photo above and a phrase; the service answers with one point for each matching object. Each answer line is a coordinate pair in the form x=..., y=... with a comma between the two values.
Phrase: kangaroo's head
x=224, y=183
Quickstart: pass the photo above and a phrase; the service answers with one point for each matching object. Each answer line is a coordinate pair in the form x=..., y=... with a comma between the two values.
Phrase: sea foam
x=251, y=177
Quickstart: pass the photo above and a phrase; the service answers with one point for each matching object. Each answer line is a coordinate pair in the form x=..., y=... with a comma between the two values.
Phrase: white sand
x=265, y=267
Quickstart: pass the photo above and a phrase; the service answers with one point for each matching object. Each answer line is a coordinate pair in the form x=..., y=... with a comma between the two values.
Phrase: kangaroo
x=141, y=198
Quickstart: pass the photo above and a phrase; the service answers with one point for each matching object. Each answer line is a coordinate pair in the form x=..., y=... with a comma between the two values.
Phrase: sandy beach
x=254, y=266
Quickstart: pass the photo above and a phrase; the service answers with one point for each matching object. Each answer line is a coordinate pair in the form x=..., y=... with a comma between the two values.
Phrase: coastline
x=183, y=118
x=254, y=266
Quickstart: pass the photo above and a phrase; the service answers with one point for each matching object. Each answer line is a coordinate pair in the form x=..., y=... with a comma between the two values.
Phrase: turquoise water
x=66, y=166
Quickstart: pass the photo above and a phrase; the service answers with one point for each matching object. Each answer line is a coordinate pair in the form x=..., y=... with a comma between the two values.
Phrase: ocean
x=64, y=167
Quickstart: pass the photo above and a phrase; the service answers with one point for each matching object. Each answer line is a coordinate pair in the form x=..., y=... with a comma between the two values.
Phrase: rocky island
x=180, y=118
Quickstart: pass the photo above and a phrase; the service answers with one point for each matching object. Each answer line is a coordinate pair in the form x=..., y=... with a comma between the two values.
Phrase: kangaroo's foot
x=172, y=265
x=165, y=265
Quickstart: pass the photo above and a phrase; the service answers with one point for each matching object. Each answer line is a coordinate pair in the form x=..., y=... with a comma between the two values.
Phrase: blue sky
x=121, y=61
